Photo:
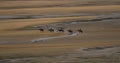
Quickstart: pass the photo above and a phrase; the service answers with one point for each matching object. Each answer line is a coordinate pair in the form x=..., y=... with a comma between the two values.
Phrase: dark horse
x=41, y=29
x=70, y=31
x=51, y=30
x=80, y=30
x=61, y=30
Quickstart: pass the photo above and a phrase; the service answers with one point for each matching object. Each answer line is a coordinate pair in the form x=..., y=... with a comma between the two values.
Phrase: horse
x=70, y=31
x=61, y=30
x=41, y=29
x=80, y=30
x=51, y=30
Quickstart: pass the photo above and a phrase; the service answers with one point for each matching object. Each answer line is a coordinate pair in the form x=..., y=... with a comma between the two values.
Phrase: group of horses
x=60, y=29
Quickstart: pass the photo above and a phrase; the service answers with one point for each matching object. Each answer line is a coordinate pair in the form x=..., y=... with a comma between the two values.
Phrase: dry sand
x=99, y=42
